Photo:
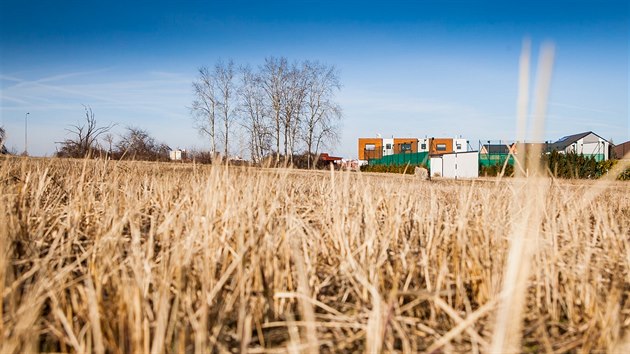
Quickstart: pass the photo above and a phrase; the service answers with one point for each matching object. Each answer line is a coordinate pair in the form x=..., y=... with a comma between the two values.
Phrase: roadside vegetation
x=405, y=169
x=557, y=165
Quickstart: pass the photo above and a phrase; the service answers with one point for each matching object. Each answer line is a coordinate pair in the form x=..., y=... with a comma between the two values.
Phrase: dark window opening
x=441, y=147
x=405, y=147
x=370, y=147
x=423, y=146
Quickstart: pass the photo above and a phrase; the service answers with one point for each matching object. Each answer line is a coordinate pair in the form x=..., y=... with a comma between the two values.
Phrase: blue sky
x=408, y=68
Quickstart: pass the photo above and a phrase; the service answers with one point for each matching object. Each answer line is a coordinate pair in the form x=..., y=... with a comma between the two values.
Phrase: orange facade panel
x=441, y=146
x=405, y=145
x=370, y=148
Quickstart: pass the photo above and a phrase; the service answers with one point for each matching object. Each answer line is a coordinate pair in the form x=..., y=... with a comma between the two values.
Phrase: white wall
x=462, y=142
x=389, y=151
x=468, y=165
x=436, y=166
x=449, y=165
x=424, y=141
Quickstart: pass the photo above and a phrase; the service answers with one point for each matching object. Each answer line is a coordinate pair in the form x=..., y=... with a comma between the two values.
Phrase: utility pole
x=26, y=135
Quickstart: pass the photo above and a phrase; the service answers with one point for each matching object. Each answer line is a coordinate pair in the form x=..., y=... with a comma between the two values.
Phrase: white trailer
x=456, y=165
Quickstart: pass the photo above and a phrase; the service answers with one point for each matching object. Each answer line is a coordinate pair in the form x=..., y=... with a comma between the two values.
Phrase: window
x=405, y=147
x=459, y=146
x=370, y=147
x=441, y=147
x=423, y=146
x=388, y=146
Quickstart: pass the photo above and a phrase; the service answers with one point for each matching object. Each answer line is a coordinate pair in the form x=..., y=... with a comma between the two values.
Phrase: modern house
x=437, y=146
x=376, y=148
x=587, y=144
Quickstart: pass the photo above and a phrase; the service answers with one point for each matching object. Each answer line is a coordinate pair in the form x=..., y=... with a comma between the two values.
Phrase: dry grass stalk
x=182, y=258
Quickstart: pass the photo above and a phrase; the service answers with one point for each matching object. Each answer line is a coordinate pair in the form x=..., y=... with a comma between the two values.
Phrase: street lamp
x=25, y=135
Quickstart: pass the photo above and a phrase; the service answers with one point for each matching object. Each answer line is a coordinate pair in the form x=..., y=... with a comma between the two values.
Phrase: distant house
x=588, y=144
x=324, y=157
x=376, y=148
x=439, y=146
x=497, y=149
x=621, y=150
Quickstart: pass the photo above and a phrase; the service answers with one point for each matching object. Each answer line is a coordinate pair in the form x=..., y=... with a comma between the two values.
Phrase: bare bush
x=138, y=144
x=83, y=140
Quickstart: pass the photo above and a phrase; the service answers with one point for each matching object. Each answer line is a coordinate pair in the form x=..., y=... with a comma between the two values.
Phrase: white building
x=455, y=165
x=177, y=154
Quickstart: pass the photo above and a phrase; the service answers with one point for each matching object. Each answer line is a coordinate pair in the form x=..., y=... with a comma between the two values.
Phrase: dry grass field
x=124, y=257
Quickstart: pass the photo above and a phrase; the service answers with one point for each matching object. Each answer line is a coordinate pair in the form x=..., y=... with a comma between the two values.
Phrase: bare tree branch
x=84, y=137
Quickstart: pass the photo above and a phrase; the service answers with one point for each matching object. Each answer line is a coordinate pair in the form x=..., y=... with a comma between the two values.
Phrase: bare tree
x=205, y=104
x=109, y=139
x=321, y=112
x=289, y=106
x=255, y=113
x=294, y=93
x=84, y=138
x=224, y=76
x=273, y=78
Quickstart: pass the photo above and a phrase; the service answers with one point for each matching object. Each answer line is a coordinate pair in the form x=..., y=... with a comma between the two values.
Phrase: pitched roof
x=563, y=142
x=495, y=149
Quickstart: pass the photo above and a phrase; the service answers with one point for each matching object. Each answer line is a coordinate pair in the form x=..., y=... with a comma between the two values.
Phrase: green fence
x=422, y=158
x=494, y=159
x=598, y=157
x=412, y=158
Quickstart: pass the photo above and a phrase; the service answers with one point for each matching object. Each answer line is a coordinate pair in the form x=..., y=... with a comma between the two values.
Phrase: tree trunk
x=226, y=135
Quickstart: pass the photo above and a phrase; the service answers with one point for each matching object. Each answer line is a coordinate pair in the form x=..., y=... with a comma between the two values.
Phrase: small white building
x=177, y=154
x=587, y=144
x=455, y=165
